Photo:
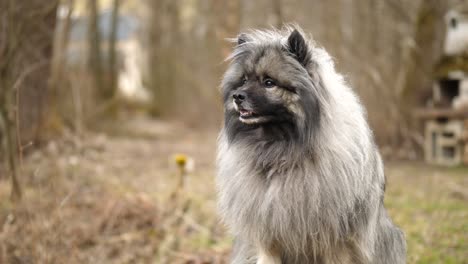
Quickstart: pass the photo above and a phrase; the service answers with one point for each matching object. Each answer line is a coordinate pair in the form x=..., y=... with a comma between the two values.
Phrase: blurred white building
x=456, y=41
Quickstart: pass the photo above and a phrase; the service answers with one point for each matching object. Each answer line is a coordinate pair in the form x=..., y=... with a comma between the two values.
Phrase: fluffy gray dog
x=300, y=178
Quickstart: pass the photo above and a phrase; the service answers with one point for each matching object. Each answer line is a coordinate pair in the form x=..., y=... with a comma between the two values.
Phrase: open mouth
x=250, y=117
x=246, y=113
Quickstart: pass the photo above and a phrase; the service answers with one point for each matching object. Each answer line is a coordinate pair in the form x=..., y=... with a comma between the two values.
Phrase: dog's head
x=269, y=88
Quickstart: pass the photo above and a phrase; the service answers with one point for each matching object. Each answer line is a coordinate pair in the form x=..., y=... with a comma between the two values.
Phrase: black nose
x=239, y=96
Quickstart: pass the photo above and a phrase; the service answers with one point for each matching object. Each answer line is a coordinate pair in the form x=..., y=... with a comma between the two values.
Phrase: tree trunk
x=8, y=107
x=165, y=56
x=418, y=61
x=94, y=48
x=26, y=36
x=278, y=12
x=54, y=121
x=113, y=69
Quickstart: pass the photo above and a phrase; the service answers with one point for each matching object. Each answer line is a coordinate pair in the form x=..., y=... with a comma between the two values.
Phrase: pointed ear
x=298, y=46
x=242, y=38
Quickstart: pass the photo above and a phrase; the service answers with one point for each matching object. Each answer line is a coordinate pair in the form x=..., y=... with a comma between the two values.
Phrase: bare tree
x=94, y=52
x=278, y=11
x=165, y=55
x=113, y=70
x=25, y=49
x=424, y=52
x=62, y=37
x=58, y=67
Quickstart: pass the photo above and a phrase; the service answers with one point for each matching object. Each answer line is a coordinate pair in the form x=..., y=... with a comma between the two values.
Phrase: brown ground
x=106, y=198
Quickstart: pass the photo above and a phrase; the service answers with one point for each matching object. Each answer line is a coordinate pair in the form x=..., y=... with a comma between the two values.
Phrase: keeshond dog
x=300, y=179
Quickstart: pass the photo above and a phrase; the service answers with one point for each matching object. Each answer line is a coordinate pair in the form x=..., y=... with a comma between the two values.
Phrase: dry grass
x=431, y=205
x=105, y=198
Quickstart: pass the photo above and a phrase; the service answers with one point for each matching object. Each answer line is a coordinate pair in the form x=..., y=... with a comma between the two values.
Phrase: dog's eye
x=244, y=80
x=269, y=83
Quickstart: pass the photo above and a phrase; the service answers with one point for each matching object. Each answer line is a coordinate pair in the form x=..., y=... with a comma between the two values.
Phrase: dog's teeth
x=245, y=113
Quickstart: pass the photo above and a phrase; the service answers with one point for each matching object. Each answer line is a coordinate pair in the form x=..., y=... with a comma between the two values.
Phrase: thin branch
x=28, y=71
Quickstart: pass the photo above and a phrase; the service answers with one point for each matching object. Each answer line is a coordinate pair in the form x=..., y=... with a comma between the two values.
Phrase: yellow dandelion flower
x=180, y=159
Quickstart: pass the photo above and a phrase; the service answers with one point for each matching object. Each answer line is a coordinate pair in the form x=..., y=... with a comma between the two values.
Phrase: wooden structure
x=446, y=115
x=446, y=124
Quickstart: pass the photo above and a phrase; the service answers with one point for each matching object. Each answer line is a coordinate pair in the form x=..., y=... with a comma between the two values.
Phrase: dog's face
x=267, y=87
x=262, y=94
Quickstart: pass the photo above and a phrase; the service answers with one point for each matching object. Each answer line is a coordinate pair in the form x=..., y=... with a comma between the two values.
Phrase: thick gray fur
x=316, y=197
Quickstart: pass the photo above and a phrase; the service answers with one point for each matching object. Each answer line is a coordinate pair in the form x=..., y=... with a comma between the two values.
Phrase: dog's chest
x=265, y=201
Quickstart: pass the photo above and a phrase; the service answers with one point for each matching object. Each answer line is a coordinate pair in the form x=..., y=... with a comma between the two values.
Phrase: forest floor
x=108, y=197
